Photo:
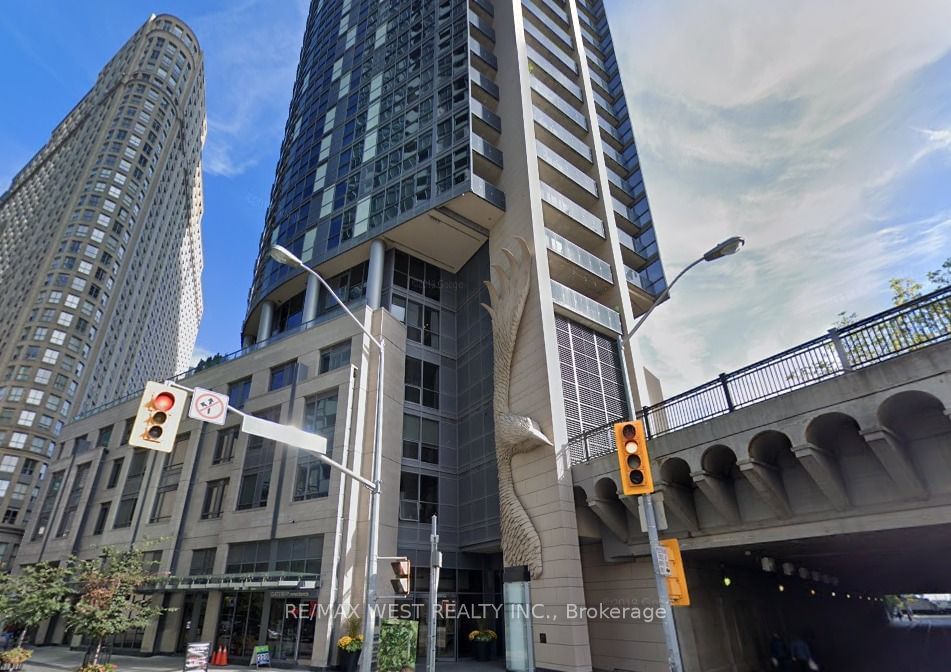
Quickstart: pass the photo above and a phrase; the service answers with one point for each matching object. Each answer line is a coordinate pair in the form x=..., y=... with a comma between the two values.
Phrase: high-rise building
x=432, y=146
x=100, y=255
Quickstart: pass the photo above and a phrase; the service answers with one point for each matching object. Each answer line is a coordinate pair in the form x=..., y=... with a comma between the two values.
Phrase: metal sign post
x=661, y=570
x=435, y=563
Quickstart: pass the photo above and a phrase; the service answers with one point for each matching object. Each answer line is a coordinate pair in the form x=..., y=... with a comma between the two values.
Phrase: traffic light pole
x=658, y=553
x=658, y=558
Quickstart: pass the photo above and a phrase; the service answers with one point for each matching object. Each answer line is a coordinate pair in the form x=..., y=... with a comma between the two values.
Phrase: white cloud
x=790, y=124
x=198, y=354
x=250, y=63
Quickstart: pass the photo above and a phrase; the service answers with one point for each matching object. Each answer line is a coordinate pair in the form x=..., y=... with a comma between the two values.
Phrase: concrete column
x=310, y=299
x=612, y=513
x=720, y=493
x=766, y=480
x=168, y=637
x=375, y=273
x=265, y=320
x=246, y=341
x=892, y=452
x=824, y=471
x=680, y=501
x=209, y=629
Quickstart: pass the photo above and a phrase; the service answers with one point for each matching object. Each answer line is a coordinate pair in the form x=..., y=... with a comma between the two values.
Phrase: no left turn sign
x=208, y=406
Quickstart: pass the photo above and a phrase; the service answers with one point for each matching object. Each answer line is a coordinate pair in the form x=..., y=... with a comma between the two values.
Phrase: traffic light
x=676, y=580
x=158, y=417
x=633, y=460
x=402, y=570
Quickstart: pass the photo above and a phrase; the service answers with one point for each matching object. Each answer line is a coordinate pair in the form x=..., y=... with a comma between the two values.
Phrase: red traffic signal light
x=158, y=417
x=633, y=461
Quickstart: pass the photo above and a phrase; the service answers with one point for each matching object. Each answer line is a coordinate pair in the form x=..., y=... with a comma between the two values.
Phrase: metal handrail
x=910, y=326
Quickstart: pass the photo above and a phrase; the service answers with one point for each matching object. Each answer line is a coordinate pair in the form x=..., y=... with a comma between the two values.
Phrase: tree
x=36, y=594
x=108, y=602
x=209, y=362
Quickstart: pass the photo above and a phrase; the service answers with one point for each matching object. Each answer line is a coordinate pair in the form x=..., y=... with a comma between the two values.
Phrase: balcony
x=487, y=158
x=538, y=15
x=483, y=31
x=570, y=219
x=483, y=89
x=577, y=152
x=484, y=6
x=593, y=313
x=554, y=10
x=556, y=105
x=544, y=68
x=576, y=267
x=557, y=52
x=565, y=177
x=485, y=122
x=482, y=58
x=623, y=214
x=630, y=249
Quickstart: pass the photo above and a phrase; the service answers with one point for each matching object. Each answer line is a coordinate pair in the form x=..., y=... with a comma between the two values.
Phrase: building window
x=238, y=392
x=176, y=458
x=282, y=376
x=203, y=562
x=101, y=518
x=105, y=434
x=420, y=439
x=334, y=357
x=127, y=431
x=258, y=464
x=46, y=510
x=115, y=472
x=214, y=499
x=422, y=383
x=422, y=322
x=164, y=503
x=419, y=497
x=300, y=555
x=416, y=276
x=248, y=557
x=8, y=463
x=72, y=500
x=124, y=513
x=224, y=445
x=313, y=476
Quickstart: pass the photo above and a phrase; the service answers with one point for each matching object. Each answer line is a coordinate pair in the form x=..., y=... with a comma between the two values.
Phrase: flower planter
x=349, y=660
x=483, y=650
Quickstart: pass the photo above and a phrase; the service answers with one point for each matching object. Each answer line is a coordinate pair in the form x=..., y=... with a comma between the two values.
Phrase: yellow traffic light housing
x=633, y=461
x=158, y=417
x=676, y=579
x=402, y=569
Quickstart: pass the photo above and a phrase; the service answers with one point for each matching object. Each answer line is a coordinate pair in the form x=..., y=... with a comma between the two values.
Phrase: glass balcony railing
x=487, y=191
x=556, y=10
x=539, y=61
x=484, y=83
x=578, y=255
x=586, y=307
x=476, y=22
x=489, y=117
x=556, y=30
x=558, y=102
x=553, y=159
x=551, y=47
x=483, y=54
x=633, y=277
x=626, y=240
x=562, y=133
x=572, y=210
x=486, y=149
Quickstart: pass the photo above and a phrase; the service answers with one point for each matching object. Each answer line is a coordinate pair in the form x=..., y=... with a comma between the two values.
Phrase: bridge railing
x=910, y=326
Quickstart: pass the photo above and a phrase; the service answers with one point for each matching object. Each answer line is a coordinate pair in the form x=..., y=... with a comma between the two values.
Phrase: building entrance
x=290, y=629
x=285, y=621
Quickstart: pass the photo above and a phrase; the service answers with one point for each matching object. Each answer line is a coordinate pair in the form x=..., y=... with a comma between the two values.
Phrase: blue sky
x=819, y=130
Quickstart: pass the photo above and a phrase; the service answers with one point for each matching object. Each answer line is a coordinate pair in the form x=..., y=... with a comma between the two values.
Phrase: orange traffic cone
x=216, y=658
x=224, y=656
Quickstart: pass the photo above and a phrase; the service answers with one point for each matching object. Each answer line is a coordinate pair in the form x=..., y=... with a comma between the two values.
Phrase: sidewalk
x=61, y=659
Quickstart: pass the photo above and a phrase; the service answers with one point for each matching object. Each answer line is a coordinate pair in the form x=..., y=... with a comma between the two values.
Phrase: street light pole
x=282, y=255
x=658, y=553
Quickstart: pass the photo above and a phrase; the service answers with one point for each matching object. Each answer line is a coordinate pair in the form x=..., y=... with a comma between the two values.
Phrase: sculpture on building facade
x=513, y=433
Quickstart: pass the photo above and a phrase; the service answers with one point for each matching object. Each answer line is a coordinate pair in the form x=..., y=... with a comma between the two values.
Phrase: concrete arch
x=676, y=471
x=581, y=497
x=773, y=448
x=720, y=461
x=606, y=488
x=836, y=433
x=913, y=414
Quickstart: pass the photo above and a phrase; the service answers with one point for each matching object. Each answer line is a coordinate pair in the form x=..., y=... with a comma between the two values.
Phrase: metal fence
x=911, y=326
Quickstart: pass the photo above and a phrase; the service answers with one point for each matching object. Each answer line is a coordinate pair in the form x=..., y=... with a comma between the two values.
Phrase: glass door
x=290, y=630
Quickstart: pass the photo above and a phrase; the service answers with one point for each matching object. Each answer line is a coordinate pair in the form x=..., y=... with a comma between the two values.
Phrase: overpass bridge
x=815, y=483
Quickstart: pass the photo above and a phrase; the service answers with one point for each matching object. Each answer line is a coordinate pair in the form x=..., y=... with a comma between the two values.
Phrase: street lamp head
x=282, y=255
x=729, y=246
